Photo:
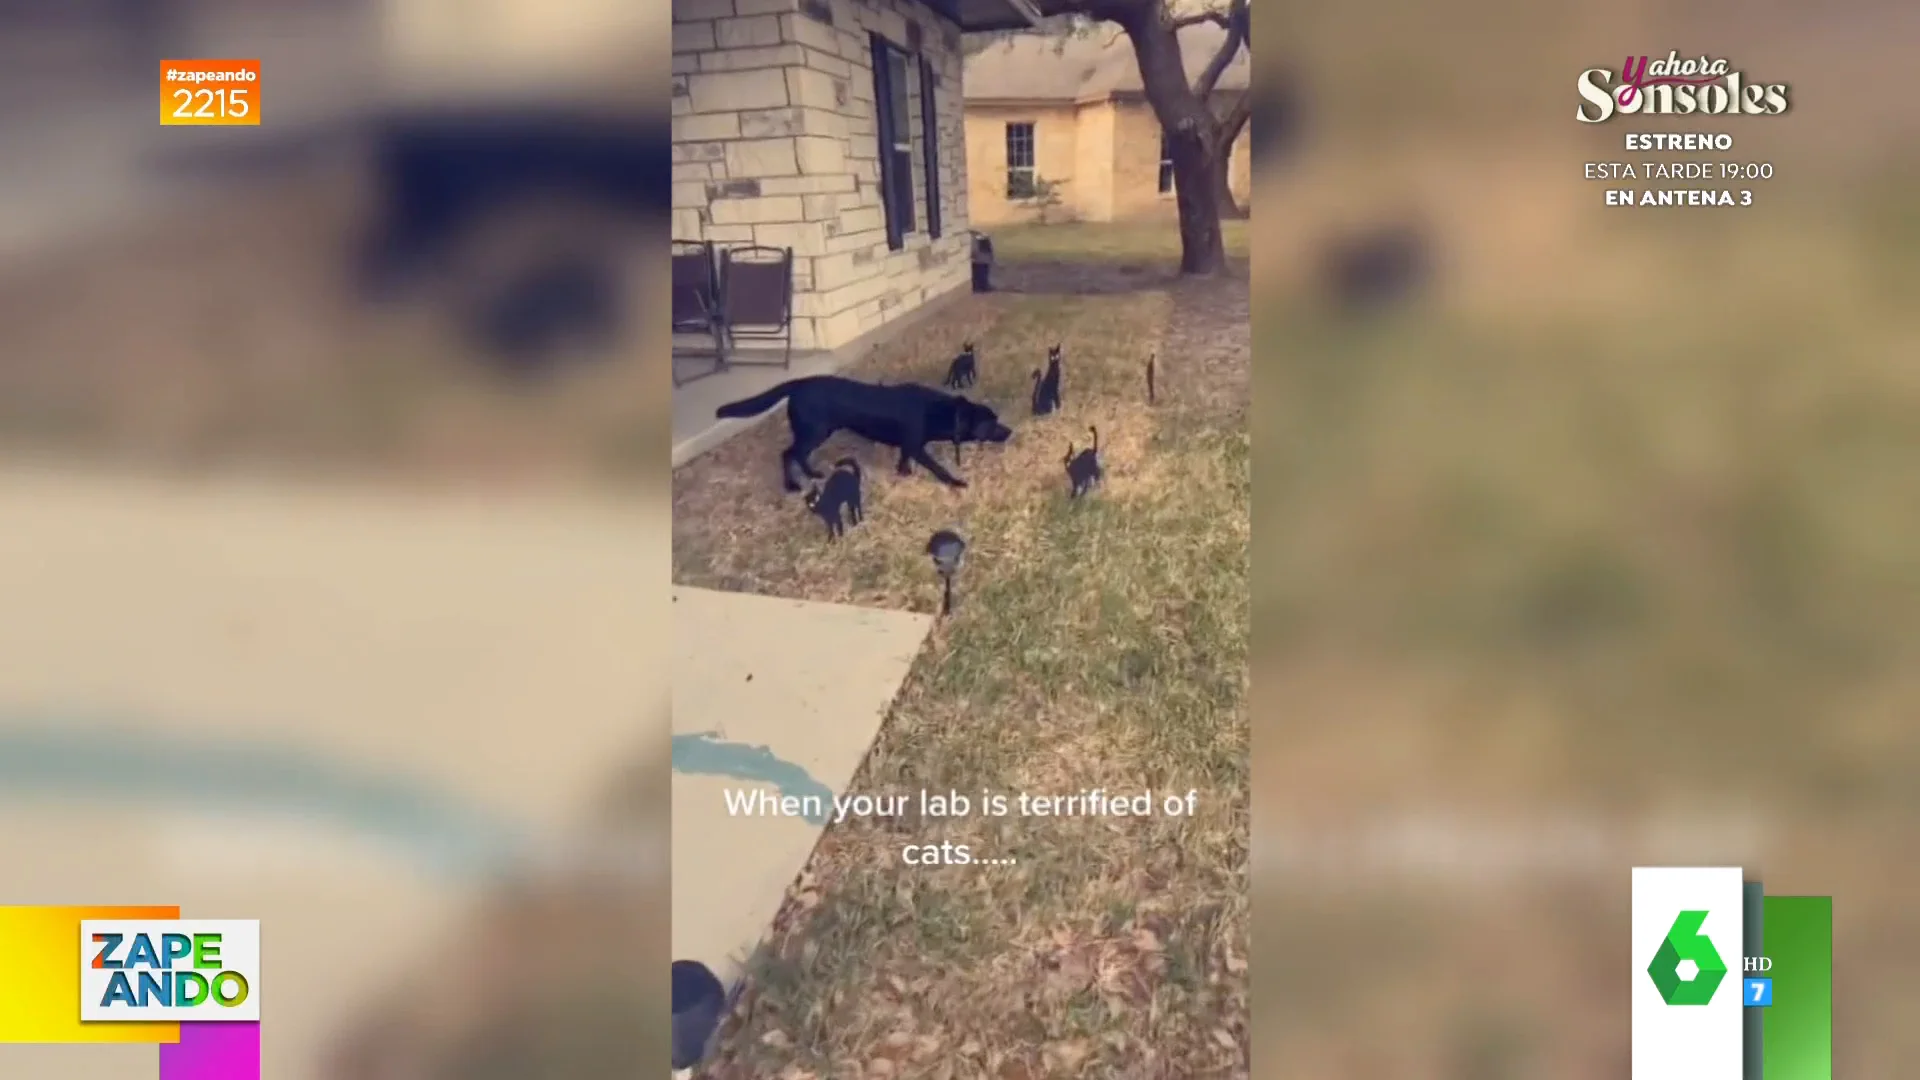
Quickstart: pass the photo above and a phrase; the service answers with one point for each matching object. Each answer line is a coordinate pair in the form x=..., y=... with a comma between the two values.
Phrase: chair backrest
x=756, y=285
x=695, y=294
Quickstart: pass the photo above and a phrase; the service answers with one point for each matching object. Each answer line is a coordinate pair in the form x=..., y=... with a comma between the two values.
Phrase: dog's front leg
x=920, y=455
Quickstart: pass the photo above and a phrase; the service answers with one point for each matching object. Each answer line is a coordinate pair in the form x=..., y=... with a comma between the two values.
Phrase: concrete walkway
x=774, y=697
x=696, y=430
x=413, y=673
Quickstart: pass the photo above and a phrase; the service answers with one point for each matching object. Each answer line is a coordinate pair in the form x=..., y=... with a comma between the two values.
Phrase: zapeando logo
x=1685, y=943
x=1672, y=86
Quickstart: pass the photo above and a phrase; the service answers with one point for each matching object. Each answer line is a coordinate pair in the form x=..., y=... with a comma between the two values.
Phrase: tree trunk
x=1192, y=131
x=1196, y=185
x=1233, y=128
x=1223, y=177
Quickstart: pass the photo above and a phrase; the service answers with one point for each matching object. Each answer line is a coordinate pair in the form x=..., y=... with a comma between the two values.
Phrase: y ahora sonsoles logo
x=1686, y=947
x=1703, y=86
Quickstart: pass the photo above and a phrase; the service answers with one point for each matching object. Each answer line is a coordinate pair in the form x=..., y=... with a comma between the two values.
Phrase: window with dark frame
x=893, y=113
x=1020, y=168
x=930, y=141
x=1166, y=165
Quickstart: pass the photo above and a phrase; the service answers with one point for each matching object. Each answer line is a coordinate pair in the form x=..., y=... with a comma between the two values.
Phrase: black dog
x=573, y=299
x=1083, y=469
x=840, y=493
x=907, y=416
x=963, y=371
x=1377, y=269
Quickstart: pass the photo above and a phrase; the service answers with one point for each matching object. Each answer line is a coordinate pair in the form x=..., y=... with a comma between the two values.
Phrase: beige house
x=834, y=128
x=1073, y=113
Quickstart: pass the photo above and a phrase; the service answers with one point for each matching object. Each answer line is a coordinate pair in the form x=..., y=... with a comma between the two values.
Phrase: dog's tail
x=1096, y=437
x=758, y=403
x=1150, y=357
x=849, y=464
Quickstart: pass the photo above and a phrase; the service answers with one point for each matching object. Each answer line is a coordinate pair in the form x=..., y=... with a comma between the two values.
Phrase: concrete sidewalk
x=696, y=430
x=782, y=697
x=468, y=664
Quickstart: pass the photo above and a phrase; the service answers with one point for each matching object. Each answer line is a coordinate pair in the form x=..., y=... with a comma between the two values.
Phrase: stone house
x=835, y=128
x=1073, y=112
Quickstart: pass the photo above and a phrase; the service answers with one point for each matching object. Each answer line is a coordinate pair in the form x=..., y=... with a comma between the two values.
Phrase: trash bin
x=698, y=999
x=982, y=263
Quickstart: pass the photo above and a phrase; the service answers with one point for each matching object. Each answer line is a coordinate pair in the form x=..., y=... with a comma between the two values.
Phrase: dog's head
x=974, y=422
x=966, y=349
x=812, y=496
x=1053, y=354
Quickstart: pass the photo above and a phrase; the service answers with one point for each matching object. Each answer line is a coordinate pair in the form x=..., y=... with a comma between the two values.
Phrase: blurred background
x=332, y=546
x=1604, y=551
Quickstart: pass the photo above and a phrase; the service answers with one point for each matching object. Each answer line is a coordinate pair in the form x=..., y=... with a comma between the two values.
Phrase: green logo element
x=1685, y=942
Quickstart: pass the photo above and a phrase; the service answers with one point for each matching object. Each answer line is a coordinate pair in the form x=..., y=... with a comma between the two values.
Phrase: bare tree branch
x=1182, y=106
x=1234, y=119
x=1235, y=21
x=1217, y=17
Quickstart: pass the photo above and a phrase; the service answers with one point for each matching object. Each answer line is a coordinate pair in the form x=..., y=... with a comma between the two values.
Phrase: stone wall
x=775, y=143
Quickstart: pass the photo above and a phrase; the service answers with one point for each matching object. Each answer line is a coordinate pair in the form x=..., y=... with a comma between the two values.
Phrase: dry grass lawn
x=1091, y=241
x=1099, y=643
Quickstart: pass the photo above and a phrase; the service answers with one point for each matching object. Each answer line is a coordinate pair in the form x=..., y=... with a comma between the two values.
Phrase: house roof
x=1089, y=67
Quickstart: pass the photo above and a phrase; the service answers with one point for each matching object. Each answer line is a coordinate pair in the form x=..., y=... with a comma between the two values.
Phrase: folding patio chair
x=696, y=300
x=756, y=299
